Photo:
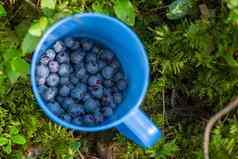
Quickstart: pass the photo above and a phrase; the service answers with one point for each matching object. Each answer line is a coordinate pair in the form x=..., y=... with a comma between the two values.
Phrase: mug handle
x=140, y=129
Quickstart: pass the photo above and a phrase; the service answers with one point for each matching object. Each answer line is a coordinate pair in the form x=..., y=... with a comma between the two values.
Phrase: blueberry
x=107, y=92
x=62, y=57
x=42, y=71
x=69, y=42
x=118, y=76
x=92, y=67
x=71, y=86
x=77, y=121
x=76, y=45
x=44, y=60
x=89, y=120
x=64, y=91
x=67, y=103
x=101, y=64
x=51, y=54
x=50, y=93
x=86, y=44
x=107, y=72
x=59, y=46
x=64, y=80
x=76, y=110
x=67, y=118
x=86, y=97
x=90, y=105
x=111, y=104
x=76, y=57
x=55, y=108
x=98, y=117
x=108, y=83
x=40, y=80
x=96, y=49
x=90, y=57
x=53, y=66
x=107, y=111
x=84, y=79
x=106, y=100
x=59, y=99
x=117, y=98
x=64, y=69
x=95, y=80
x=42, y=89
x=114, y=89
x=74, y=79
x=107, y=56
x=80, y=73
x=96, y=91
x=79, y=91
x=122, y=84
x=115, y=65
x=52, y=80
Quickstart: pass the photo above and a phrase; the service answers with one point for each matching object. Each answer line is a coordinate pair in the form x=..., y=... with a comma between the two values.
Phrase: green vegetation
x=192, y=46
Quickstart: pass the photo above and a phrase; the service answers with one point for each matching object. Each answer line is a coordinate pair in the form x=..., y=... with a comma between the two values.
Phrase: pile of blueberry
x=81, y=81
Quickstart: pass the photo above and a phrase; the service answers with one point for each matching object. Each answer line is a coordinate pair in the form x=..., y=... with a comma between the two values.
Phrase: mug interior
x=115, y=36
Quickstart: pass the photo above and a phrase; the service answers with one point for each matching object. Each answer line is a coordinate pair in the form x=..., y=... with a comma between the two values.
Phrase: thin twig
x=232, y=105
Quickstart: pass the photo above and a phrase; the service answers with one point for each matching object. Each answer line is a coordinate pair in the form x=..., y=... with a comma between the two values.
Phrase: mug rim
x=60, y=121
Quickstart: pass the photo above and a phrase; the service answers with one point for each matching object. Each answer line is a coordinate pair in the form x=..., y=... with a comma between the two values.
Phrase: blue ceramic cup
x=128, y=118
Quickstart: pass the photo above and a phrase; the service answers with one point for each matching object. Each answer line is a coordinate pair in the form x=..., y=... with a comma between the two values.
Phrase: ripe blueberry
x=69, y=42
x=95, y=80
x=59, y=46
x=64, y=69
x=42, y=71
x=76, y=57
x=51, y=54
x=79, y=91
x=86, y=44
x=122, y=84
x=107, y=72
x=92, y=67
x=53, y=66
x=64, y=91
x=107, y=111
x=50, y=93
x=89, y=120
x=52, y=80
x=90, y=105
x=67, y=118
x=55, y=108
x=62, y=57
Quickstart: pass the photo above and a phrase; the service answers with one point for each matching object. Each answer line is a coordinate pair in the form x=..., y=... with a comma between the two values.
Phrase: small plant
x=10, y=138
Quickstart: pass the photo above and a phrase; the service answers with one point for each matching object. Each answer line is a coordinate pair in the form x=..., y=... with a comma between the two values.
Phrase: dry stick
x=232, y=105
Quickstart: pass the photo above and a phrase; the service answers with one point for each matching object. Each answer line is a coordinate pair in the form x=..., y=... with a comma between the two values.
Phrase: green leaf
x=2, y=11
x=16, y=68
x=8, y=148
x=3, y=141
x=179, y=9
x=99, y=8
x=13, y=131
x=11, y=53
x=18, y=139
x=22, y=28
x=39, y=27
x=48, y=6
x=29, y=43
x=20, y=66
x=125, y=11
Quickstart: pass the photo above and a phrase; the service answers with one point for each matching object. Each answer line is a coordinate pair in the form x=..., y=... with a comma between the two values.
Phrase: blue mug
x=128, y=118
